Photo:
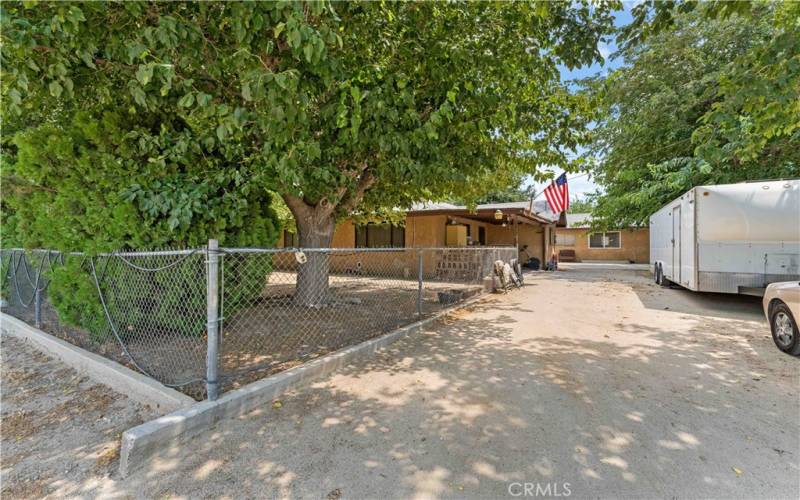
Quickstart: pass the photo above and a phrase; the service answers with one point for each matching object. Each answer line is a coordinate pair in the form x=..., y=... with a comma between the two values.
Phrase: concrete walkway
x=602, y=266
x=595, y=382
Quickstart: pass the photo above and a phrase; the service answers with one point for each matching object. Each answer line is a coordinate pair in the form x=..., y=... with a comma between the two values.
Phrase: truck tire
x=655, y=274
x=784, y=329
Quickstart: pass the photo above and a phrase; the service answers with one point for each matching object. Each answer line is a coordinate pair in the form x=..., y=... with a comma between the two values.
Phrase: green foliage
x=103, y=183
x=168, y=300
x=705, y=98
x=651, y=17
x=108, y=182
x=152, y=123
x=74, y=297
x=580, y=205
x=757, y=114
x=355, y=105
x=512, y=193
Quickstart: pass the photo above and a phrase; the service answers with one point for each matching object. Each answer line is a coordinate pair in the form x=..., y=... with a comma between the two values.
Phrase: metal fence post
x=419, y=283
x=212, y=318
x=37, y=306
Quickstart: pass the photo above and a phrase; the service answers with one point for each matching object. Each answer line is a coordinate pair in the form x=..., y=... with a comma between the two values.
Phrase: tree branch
x=297, y=205
x=351, y=200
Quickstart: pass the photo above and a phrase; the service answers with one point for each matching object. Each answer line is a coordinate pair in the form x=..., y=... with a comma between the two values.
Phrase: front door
x=676, y=244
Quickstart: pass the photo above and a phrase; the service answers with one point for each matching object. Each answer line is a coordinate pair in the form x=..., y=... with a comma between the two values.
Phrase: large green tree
x=338, y=107
x=709, y=93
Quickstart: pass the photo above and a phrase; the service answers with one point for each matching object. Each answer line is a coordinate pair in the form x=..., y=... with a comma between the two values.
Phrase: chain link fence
x=212, y=319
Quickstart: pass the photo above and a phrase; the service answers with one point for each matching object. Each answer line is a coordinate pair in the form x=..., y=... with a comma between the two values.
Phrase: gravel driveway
x=595, y=383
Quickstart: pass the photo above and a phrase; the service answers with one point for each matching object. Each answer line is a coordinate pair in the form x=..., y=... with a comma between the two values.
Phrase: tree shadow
x=697, y=407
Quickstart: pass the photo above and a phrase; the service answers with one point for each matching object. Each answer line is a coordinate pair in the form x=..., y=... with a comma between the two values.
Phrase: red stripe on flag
x=554, y=198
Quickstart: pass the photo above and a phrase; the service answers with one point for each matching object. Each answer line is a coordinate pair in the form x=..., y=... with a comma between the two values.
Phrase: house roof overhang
x=487, y=215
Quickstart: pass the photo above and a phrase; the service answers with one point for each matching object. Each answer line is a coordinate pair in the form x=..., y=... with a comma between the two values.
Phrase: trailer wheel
x=661, y=280
x=655, y=274
x=784, y=329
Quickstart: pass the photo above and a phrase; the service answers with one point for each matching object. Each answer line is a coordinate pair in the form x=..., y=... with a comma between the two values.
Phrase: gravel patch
x=59, y=428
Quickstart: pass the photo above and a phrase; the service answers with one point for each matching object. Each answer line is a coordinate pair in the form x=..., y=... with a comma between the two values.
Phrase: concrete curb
x=143, y=442
x=136, y=386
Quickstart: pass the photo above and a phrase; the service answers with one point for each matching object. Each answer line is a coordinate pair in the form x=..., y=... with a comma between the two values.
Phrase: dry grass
x=18, y=425
x=108, y=456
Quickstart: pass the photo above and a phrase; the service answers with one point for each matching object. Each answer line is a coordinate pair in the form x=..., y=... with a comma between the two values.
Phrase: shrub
x=117, y=181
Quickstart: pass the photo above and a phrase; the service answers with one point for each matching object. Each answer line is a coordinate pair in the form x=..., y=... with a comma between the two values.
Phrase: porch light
x=498, y=215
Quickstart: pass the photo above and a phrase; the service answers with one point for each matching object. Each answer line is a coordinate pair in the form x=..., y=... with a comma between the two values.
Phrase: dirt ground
x=268, y=336
x=277, y=334
x=60, y=431
x=592, y=380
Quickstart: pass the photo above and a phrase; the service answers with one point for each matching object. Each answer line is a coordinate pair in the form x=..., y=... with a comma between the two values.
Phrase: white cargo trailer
x=731, y=238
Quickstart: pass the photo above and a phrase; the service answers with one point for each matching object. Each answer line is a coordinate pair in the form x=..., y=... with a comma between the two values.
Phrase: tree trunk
x=315, y=225
x=315, y=230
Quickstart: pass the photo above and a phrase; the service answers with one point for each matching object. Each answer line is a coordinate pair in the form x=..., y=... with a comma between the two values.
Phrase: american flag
x=557, y=194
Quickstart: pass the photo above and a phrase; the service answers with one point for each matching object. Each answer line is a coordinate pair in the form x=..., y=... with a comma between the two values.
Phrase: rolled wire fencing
x=211, y=319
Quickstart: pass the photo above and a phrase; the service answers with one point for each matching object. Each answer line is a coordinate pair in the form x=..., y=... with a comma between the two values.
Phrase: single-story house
x=528, y=226
x=577, y=241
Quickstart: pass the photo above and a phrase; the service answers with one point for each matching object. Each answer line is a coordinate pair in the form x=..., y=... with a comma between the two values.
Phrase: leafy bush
x=75, y=298
x=117, y=181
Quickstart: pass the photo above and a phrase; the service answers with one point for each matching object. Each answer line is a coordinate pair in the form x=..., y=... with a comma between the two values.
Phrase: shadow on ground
x=578, y=378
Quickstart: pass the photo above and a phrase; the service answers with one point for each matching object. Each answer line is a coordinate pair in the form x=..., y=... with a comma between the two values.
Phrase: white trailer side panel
x=672, y=241
x=688, y=246
x=748, y=235
x=661, y=237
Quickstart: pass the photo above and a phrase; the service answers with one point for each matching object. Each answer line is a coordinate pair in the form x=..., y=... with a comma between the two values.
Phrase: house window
x=290, y=239
x=565, y=240
x=380, y=236
x=611, y=239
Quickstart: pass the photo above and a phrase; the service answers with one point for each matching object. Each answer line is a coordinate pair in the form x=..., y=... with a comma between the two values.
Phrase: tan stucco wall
x=635, y=245
x=425, y=231
x=429, y=231
x=345, y=235
x=533, y=236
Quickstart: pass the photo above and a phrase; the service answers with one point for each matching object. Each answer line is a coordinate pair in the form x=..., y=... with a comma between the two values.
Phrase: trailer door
x=676, y=244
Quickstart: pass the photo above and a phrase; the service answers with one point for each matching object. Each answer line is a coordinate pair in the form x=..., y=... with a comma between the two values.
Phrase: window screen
x=605, y=240
x=596, y=240
x=565, y=240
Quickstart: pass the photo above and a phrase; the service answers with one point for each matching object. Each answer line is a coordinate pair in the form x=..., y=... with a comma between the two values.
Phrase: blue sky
x=581, y=185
